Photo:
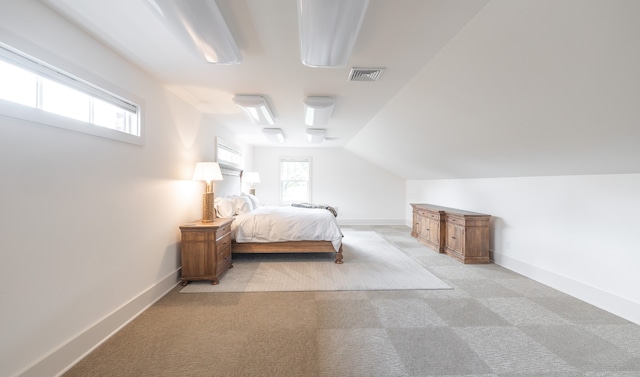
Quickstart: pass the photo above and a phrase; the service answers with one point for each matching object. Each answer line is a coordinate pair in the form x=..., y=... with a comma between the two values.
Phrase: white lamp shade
x=318, y=110
x=256, y=109
x=328, y=30
x=251, y=177
x=316, y=135
x=207, y=171
x=275, y=135
x=200, y=25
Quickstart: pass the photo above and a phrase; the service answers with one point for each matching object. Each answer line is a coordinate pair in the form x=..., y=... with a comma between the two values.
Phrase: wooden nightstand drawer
x=224, y=242
x=224, y=251
x=222, y=231
x=224, y=264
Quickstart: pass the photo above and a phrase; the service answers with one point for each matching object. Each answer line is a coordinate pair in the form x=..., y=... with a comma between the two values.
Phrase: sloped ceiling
x=399, y=35
x=526, y=88
x=472, y=88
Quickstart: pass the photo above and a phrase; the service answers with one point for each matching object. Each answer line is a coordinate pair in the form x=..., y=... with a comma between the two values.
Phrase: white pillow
x=224, y=207
x=255, y=203
x=242, y=204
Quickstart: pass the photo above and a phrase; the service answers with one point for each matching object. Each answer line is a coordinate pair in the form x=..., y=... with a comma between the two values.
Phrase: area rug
x=370, y=263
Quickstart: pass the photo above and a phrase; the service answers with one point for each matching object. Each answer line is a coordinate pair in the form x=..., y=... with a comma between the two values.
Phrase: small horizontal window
x=227, y=155
x=28, y=82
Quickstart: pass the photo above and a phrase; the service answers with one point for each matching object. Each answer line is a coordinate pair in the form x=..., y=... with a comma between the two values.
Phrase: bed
x=270, y=229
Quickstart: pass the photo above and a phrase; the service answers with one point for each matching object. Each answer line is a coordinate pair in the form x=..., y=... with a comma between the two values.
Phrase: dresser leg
x=214, y=282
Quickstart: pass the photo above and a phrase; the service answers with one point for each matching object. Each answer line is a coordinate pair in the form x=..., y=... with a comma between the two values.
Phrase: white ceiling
x=267, y=34
x=472, y=88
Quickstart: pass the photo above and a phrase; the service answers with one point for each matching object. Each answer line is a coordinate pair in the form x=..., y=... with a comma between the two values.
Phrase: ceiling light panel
x=256, y=109
x=200, y=25
x=316, y=135
x=274, y=135
x=318, y=110
x=328, y=30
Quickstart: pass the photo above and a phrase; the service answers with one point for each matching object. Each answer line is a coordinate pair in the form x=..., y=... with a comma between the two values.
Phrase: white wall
x=89, y=226
x=362, y=192
x=526, y=88
x=575, y=233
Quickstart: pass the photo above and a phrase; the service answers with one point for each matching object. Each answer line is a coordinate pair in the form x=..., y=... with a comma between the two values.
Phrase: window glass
x=114, y=117
x=295, y=180
x=27, y=81
x=65, y=101
x=18, y=85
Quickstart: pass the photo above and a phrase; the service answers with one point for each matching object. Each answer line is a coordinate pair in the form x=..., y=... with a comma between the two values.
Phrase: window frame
x=307, y=159
x=54, y=68
x=224, y=148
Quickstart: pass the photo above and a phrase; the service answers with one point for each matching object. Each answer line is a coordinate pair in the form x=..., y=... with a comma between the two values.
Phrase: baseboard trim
x=619, y=306
x=67, y=355
x=370, y=222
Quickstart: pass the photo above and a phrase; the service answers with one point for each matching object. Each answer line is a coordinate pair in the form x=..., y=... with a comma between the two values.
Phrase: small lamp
x=252, y=177
x=208, y=172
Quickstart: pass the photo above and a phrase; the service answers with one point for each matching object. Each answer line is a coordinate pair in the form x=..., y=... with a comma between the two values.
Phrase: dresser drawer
x=422, y=212
x=428, y=214
x=456, y=220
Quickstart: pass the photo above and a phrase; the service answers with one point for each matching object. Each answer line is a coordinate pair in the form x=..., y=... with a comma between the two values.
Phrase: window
x=295, y=179
x=227, y=155
x=36, y=91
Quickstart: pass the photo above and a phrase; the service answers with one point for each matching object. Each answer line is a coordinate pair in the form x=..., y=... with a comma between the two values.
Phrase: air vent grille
x=365, y=74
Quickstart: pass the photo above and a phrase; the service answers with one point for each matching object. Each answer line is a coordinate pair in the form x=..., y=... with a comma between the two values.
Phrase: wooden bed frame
x=287, y=247
x=231, y=185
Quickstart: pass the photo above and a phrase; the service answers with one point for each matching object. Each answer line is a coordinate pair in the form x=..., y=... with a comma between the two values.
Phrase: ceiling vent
x=365, y=74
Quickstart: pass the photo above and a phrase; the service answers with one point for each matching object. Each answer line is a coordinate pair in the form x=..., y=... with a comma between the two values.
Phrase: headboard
x=231, y=183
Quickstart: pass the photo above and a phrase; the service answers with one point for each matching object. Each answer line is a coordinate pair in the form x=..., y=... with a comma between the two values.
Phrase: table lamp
x=208, y=172
x=251, y=177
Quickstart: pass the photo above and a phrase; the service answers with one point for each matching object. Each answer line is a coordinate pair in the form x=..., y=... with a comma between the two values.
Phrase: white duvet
x=280, y=224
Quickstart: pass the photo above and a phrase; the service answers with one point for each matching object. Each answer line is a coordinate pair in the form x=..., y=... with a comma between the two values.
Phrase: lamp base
x=252, y=191
x=208, y=213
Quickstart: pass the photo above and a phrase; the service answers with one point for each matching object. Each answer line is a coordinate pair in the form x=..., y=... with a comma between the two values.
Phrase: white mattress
x=281, y=224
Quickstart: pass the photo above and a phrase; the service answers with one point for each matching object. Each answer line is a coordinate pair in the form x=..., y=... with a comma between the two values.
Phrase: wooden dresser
x=429, y=226
x=205, y=250
x=463, y=235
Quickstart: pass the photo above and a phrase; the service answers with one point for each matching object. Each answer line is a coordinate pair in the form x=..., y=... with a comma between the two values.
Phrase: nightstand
x=205, y=250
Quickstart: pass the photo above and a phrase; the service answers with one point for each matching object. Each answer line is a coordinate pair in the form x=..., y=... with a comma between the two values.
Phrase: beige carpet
x=370, y=263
